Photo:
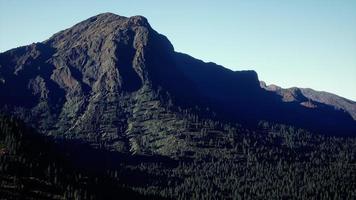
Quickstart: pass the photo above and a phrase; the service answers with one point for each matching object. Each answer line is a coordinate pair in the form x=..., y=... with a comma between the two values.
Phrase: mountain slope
x=331, y=99
x=37, y=167
x=300, y=94
x=221, y=161
x=238, y=96
x=87, y=82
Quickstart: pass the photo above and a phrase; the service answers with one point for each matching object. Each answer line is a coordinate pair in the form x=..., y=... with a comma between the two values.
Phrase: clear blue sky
x=304, y=43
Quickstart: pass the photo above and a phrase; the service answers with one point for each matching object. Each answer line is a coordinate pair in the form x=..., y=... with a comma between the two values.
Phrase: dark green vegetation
x=221, y=161
x=37, y=167
x=107, y=108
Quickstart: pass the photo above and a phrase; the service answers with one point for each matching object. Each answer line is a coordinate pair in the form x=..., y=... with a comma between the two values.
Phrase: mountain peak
x=105, y=26
x=139, y=20
x=136, y=20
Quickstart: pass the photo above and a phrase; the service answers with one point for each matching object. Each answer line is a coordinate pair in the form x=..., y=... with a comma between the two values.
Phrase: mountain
x=302, y=94
x=89, y=81
x=109, y=102
x=239, y=96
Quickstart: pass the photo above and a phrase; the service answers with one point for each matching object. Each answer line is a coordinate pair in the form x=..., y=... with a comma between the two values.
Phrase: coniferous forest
x=226, y=162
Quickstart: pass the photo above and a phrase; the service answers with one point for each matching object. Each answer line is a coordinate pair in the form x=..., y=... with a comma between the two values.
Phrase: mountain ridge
x=328, y=98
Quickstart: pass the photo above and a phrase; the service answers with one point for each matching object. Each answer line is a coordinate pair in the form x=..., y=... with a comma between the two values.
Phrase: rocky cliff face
x=113, y=81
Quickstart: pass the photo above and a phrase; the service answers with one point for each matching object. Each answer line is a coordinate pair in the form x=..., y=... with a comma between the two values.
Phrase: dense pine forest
x=226, y=162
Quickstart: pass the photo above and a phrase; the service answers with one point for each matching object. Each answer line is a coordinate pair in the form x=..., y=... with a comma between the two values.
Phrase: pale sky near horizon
x=304, y=43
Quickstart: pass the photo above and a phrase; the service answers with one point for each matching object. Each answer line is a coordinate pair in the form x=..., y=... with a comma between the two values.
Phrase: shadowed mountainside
x=238, y=96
